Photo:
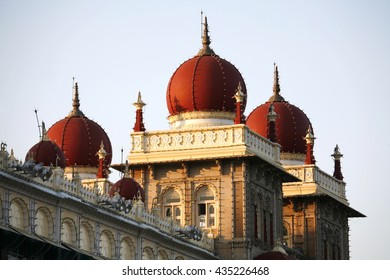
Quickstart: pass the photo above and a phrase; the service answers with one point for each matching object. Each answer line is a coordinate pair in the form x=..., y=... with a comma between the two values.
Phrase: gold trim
x=202, y=115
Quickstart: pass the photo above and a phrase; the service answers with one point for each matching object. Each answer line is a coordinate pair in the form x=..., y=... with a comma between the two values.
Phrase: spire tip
x=206, y=50
x=276, y=87
x=76, y=101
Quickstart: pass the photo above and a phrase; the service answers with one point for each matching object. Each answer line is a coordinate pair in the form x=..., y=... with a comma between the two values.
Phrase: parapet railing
x=209, y=137
x=312, y=174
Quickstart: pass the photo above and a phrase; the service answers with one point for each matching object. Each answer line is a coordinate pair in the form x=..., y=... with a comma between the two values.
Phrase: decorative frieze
x=210, y=142
x=316, y=181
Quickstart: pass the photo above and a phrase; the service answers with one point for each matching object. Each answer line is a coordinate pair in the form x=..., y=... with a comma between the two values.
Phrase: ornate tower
x=209, y=170
x=316, y=209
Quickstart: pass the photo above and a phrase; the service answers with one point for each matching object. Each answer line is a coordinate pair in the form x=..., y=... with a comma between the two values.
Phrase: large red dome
x=291, y=123
x=205, y=82
x=80, y=138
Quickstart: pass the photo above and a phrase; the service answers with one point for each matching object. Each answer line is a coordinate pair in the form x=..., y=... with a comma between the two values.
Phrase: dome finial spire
x=75, y=102
x=240, y=97
x=139, y=119
x=44, y=132
x=337, y=163
x=206, y=50
x=309, y=146
x=102, y=173
x=276, y=88
x=271, y=123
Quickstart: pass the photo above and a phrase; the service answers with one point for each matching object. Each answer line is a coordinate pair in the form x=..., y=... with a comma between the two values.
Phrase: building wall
x=316, y=227
x=245, y=194
x=34, y=211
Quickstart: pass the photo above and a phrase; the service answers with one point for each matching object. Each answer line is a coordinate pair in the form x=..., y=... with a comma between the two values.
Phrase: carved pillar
x=118, y=246
x=32, y=215
x=6, y=207
x=97, y=240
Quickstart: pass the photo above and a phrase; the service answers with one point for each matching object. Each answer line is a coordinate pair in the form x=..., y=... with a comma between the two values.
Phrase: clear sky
x=333, y=57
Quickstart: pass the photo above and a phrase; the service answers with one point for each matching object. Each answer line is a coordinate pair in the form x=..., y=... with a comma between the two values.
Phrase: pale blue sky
x=333, y=59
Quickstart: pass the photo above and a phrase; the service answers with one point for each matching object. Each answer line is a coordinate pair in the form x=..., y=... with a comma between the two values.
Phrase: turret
x=309, y=147
x=337, y=163
x=139, y=120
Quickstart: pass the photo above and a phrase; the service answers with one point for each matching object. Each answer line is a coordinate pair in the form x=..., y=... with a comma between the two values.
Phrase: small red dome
x=291, y=125
x=127, y=188
x=80, y=138
x=48, y=153
x=291, y=122
x=204, y=83
x=272, y=255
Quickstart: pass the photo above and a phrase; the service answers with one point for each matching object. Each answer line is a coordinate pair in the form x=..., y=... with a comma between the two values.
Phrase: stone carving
x=224, y=136
x=322, y=179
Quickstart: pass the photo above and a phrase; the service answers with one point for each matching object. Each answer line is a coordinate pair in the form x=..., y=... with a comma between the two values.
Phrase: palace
x=216, y=185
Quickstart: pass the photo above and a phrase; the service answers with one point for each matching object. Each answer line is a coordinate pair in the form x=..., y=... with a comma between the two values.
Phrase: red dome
x=272, y=255
x=48, y=153
x=127, y=188
x=291, y=122
x=291, y=125
x=204, y=83
x=80, y=138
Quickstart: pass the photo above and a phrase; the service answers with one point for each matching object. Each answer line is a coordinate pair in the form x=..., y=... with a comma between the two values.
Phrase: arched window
x=127, y=250
x=172, y=206
x=206, y=212
x=162, y=255
x=68, y=232
x=44, y=223
x=107, y=245
x=147, y=254
x=18, y=214
x=86, y=237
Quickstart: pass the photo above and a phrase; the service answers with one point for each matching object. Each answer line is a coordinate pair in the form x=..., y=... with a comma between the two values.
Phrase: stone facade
x=225, y=180
x=69, y=219
x=315, y=214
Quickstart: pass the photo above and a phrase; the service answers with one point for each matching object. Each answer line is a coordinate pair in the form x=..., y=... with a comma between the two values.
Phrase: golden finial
x=337, y=155
x=75, y=102
x=271, y=116
x=139, y=104
x=276, y=87
x=102, y=152
x=206, y=50
x=309, y=136
x=239, y=96
x=44, y=132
